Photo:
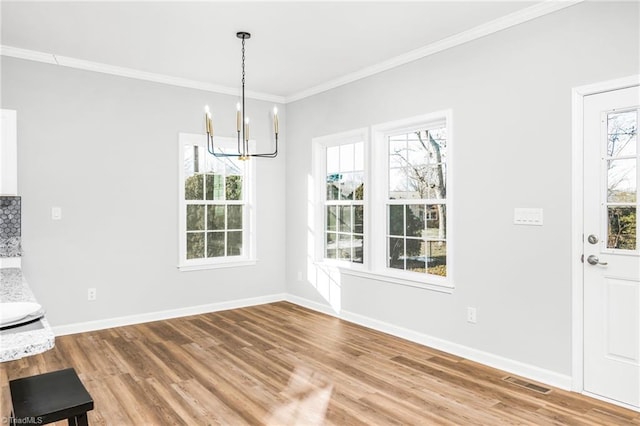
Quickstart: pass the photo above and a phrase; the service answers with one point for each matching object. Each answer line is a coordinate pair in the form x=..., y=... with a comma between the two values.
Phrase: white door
x=612, y=246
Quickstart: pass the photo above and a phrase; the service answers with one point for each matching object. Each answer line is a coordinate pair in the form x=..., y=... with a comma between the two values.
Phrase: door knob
x=593, y=260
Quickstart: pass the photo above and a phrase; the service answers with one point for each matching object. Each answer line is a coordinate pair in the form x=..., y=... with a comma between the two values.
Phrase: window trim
x=320, y=145
x=249, y=234
x=379, y=199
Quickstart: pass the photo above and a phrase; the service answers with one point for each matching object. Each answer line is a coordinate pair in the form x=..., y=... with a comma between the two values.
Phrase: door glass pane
x=622, y=228
x=622, y=129
x=621, y=181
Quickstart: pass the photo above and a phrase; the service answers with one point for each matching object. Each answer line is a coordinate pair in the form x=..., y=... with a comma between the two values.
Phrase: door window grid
x=621, y=165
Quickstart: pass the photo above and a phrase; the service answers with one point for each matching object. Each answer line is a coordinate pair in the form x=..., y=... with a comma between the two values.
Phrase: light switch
x=56, y=213
x=527, y=216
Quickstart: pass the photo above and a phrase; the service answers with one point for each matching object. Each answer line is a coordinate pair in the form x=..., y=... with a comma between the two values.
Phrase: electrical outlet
x=472, y=315
x=91, y=294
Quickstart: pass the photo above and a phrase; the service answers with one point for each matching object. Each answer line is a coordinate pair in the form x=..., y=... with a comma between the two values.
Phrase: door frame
x=577, y=222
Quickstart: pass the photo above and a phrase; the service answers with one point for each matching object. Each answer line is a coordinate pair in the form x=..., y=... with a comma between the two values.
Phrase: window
x=416, y=200
x=340, y=171
x=386, y=218
x=412, y=200
x=214, y=206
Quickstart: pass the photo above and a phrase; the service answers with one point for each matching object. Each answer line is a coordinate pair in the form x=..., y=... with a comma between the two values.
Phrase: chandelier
x=242, y=123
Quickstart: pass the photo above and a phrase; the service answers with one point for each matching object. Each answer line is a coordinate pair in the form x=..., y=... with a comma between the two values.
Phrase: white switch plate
x=527, y=216
x=56, y=213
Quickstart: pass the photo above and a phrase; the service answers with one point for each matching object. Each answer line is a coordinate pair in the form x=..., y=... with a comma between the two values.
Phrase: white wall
x=510, y=93
x=104, y=149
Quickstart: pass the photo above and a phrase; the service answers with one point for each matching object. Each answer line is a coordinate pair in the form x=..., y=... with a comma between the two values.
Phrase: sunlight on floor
x=309, y=393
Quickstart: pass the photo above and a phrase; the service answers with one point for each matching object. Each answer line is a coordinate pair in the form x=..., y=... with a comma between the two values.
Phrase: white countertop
x=25, y=340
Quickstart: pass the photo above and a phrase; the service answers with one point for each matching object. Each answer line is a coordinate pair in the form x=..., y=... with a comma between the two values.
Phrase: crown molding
x=507, y=21
x=65, y=61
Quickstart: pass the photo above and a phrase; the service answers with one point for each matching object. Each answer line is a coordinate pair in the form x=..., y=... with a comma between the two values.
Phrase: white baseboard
x=531, y=372
x=511, y=366
x=82, y=327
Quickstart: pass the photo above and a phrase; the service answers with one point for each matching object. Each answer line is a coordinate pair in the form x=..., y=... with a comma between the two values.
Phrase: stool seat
x=50, y=397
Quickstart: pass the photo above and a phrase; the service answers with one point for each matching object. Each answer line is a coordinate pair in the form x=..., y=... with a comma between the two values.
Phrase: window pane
x=234, y=243
x=331, y=218
x=396, y=253
x=234, y=188
x=396, y=220
x=358, y=157
x=193, y=187
x=344, y=246
x=195, y=245
x=398, y=151
x=344, y=218
x=415, y=220
x=622, y=228
x=398, y=183
x=436, y=219
x=358, y=185
x=621, y=181
x=333, y=159
x=215, y=217
x=347, y=186
x=195, y=217
x=346, y=158
x=439, y=138
x=331, y=246
x=234, y=217
x=437, y=258
x=417, y=153
x=623, y=132
x=333, y=186
x=215, y=244
x=358, y=219
x=215, y=187
x=416, y=257
x=358, y=246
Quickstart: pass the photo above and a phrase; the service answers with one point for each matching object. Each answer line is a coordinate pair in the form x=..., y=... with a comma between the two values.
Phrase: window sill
x=217, y=265
x=359, y=271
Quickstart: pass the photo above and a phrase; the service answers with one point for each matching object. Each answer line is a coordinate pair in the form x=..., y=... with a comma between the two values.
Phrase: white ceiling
x=295, y=46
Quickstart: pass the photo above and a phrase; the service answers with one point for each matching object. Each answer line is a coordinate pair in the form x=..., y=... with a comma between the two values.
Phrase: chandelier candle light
x=243, y=130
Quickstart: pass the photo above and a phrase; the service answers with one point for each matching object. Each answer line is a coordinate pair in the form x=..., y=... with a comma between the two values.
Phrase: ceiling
x=295, y=48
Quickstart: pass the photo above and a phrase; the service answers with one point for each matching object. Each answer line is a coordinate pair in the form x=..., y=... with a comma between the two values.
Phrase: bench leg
x=80, y=420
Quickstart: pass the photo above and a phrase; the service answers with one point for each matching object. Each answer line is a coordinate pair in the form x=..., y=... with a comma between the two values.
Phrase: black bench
x=50, y=397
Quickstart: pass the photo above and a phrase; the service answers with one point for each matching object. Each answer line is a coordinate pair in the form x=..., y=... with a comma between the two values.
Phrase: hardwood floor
x=282, y=364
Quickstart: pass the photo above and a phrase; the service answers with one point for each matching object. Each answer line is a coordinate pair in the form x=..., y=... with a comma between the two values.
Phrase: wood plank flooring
x=282, y=364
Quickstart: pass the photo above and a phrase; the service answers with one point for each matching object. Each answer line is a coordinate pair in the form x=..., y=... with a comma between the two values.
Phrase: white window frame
x=320, y=145
x=376, y=190
x=248, y=221
x=380, y=200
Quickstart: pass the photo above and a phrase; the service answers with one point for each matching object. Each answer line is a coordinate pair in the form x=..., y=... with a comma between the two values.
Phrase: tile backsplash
x=10, y=226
